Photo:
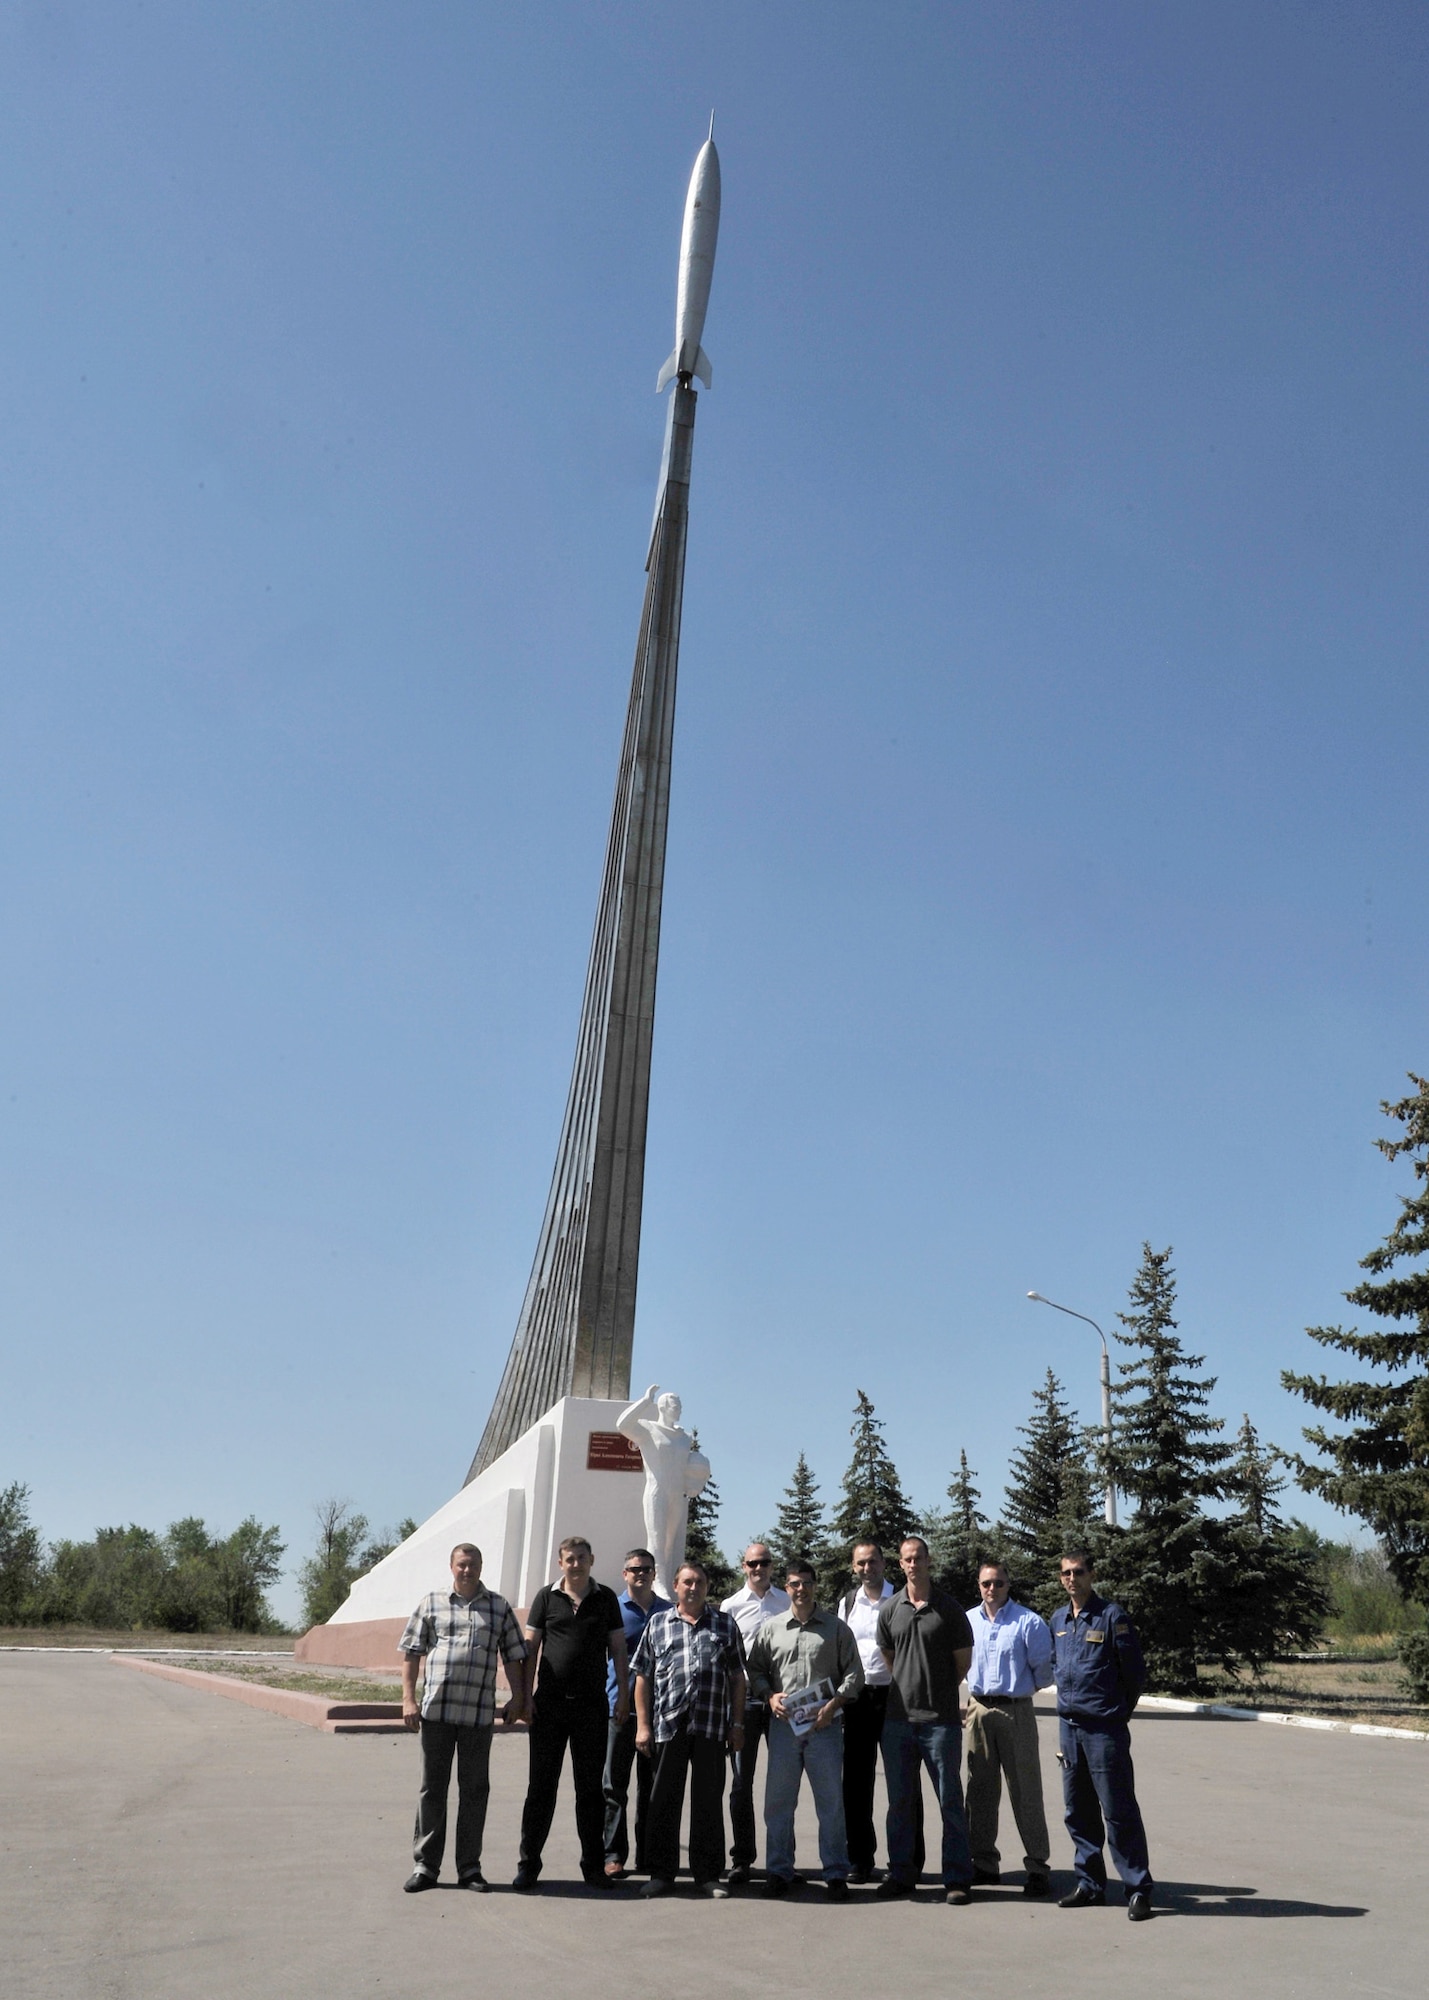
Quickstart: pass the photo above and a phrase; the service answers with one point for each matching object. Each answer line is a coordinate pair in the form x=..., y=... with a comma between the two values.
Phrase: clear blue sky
x=1046, y=854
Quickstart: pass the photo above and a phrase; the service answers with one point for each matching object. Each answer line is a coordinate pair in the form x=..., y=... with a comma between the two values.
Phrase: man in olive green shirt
x=792, y=1652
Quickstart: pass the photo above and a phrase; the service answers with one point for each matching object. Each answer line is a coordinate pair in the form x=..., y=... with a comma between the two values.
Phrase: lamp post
x=1106, y=1394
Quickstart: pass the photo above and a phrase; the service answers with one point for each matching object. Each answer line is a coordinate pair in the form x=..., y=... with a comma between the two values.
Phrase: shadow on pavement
x=1210, y=1899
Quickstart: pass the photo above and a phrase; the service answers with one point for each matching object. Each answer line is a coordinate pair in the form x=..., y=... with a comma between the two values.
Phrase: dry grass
x=1341, y=1690
x=352, y=1684
x=81, y=1636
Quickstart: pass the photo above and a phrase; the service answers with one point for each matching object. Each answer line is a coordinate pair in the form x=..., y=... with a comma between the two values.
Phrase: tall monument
x=553, y=1459
x=577, y=1322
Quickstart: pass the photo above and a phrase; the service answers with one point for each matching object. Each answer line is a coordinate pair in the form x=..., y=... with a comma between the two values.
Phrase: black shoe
x=959, y=1893
x=525, y=1878
x=417, y=1881
x=986, y=1878
x=862, y=1875
x=1037, y=1885
x=477, y=1882
x=837, y=1890
x=888, y=1888
x=1083, y=1897
x=714, y=1891
x=658, y=1886
x=598, y=1879
x=778, y=1885
x=738, y=1876
x=1138, y=1906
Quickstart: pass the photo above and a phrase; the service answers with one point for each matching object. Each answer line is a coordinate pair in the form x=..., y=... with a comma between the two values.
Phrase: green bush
x=1414, y=1658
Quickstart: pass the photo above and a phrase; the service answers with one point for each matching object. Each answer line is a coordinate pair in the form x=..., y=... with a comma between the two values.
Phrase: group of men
x=681, y=1696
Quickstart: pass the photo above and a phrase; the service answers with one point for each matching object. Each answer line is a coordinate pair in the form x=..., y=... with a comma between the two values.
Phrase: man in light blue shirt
x=1012, y=1658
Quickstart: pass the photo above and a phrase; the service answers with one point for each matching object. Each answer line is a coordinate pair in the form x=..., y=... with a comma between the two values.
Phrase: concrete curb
x=337, y=1718
x=1228, y=1714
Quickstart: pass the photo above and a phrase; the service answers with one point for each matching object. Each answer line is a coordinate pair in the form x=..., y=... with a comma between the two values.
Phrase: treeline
x=131, y=1579
x=183, y=1580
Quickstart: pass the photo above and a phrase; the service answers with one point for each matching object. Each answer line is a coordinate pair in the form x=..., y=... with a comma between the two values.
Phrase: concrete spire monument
x=544, y=1464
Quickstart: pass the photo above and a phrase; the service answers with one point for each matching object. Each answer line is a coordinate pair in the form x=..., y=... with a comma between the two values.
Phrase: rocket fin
x=667, y=373
x=702, y=368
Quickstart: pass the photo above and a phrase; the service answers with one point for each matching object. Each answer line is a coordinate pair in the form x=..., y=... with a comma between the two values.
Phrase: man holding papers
x=805, y=1664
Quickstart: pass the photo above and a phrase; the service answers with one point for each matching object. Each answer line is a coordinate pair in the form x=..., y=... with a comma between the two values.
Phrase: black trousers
x=559, y=1720
x=743, y=1764
x=863, y=1733
x=471, y=1745
x=619, y=1757
x=704, y=1761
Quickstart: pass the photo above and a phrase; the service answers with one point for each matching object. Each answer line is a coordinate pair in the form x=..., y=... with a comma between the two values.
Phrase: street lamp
x=1106, y=1395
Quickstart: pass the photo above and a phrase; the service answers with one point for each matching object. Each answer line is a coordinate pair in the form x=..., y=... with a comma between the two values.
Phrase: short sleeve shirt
x=690, y=1667
x=923, y=1640
x=461, y=1638
x=575, y=1640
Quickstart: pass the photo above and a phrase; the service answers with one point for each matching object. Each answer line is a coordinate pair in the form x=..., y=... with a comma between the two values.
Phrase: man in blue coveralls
x=1100, y=1674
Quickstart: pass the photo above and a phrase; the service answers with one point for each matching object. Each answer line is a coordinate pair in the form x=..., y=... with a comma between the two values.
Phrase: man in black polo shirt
x=924, y=1635
x=571, y=1628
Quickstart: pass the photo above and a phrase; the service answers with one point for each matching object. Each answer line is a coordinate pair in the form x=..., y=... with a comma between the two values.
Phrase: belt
x=998, y=1700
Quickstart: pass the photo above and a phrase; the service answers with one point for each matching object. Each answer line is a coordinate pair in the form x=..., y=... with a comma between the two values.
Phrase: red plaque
x=612, y=1451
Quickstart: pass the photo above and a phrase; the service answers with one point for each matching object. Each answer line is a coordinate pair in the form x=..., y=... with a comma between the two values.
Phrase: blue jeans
x=820, y=1754
x=907, y=1748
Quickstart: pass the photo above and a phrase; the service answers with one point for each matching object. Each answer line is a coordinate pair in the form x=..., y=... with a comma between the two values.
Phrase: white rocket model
x=697, y=251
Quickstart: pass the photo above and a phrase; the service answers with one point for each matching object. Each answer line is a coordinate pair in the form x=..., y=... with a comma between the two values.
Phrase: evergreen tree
x=701, y=1526
x=1379, y=1468
x=1172, y=1564
x=961, y=1542
x=1281, y=1602
x=801, y=1532
x=874, y=1507
x=1049, y=1498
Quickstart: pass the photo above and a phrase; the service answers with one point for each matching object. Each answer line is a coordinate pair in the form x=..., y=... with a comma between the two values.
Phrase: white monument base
x=572, y=1473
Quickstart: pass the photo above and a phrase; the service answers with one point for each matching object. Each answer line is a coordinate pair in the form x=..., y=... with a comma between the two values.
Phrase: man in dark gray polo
x=459, y=1633
x=924, y=1635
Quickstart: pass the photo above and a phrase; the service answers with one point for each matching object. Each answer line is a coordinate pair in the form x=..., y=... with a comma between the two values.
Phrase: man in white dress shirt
x=761, y=1598
x=863, y=1719
x=1012, y=1658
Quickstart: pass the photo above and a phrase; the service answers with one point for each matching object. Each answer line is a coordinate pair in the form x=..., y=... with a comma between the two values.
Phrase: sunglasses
x=998, y=1583
x=641, y=1569
x=759, y=1562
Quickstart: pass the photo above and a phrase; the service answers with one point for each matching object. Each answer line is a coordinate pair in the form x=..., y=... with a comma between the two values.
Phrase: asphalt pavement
x=159, y=1841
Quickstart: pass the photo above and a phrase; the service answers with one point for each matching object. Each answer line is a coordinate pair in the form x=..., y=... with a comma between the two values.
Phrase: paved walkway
x=158, y=1841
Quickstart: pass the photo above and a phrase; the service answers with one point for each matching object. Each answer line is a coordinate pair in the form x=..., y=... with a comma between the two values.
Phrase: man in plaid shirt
x=689, y=1704
x=459, y=1634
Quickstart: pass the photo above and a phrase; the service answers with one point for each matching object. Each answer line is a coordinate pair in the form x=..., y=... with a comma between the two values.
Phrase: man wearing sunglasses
x=1100, y=1674
x=638, y=1603
x=1012, y=1659
x=760, y=1599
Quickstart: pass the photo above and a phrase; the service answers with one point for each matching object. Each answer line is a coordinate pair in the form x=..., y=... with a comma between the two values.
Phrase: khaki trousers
x=1002, y=1738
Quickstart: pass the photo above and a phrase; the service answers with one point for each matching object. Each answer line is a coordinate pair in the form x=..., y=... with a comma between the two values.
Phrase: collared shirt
x=460, y=1638
x=1012, y=1653
x=689, y=1666
x=635, y=1621
x=860, y=1613
x=749, y=1610
x=575, y=1640
x=788, y=1655
x=1097, y=1662
x=924, y=1640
